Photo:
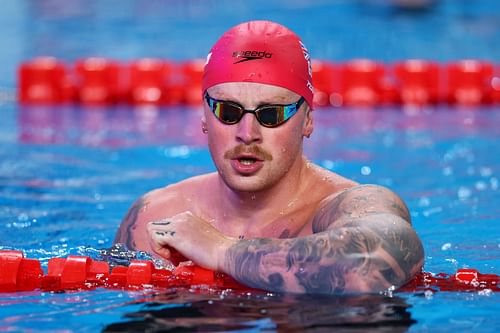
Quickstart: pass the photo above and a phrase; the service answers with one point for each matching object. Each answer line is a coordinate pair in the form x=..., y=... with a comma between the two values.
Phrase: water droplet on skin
x=145, y=208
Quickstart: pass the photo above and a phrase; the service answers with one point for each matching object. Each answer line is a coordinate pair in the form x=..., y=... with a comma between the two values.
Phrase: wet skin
x=272, y=219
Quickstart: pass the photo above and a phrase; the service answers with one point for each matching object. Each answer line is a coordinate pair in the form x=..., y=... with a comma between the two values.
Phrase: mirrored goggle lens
x=227, y=112
x=271, y=115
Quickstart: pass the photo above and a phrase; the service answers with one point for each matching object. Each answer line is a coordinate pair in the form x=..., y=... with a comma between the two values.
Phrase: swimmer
x=269, y=217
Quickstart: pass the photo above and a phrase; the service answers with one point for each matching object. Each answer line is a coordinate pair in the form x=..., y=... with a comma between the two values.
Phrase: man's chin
x=246, y=184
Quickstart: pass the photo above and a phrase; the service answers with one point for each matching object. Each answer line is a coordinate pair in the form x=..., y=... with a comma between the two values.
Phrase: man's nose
x=248, y=130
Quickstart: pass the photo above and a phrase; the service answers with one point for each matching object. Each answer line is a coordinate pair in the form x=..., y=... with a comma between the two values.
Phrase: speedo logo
x=251, y=55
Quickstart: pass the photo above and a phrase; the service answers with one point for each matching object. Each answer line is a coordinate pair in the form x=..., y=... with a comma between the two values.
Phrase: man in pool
x=268, y=217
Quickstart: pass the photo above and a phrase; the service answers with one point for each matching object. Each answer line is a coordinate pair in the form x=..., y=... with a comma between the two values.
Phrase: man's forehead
x=260, y=91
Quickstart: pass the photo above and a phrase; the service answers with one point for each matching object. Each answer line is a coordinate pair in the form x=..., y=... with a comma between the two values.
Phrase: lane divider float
x=358, y=82
x=81, y=272
x=18, y=273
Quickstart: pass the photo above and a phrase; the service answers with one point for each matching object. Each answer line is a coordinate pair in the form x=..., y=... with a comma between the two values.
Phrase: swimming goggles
x=271, y=115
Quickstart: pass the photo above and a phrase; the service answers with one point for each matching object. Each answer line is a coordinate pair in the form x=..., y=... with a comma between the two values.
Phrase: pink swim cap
x=261, y=52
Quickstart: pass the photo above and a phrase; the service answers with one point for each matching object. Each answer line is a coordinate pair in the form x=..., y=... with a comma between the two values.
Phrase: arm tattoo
x=245, y=260
x=328, y=262
x=358, y=202
x=362, y=241
x=125, y=232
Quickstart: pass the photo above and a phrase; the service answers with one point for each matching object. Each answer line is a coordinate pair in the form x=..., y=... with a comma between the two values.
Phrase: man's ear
x=204, y=124
x=308, y=124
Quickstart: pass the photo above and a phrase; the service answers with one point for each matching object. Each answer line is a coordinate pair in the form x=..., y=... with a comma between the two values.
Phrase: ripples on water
x=61, y=195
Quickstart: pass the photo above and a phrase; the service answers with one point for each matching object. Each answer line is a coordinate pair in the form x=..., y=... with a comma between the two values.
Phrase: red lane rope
x=80, y=272
x=359, y=82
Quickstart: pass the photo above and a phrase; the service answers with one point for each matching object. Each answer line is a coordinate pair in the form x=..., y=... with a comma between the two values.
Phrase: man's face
x=249, y=156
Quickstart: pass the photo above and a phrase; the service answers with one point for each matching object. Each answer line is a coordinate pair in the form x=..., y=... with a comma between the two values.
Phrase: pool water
x=66, y=181
x=69, y=173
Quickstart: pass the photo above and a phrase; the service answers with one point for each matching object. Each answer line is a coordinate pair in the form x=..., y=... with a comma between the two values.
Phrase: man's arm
x=363, y=241
x=126, y=232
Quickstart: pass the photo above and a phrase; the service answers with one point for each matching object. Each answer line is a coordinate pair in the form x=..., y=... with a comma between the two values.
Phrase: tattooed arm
x=152, y=206
x=362, y=242
x=127, y=233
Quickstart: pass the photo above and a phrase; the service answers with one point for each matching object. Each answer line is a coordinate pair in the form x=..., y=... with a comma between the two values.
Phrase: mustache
x=244, y=149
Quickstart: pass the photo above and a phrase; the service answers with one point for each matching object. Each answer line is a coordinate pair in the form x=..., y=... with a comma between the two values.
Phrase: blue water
x=68, y=174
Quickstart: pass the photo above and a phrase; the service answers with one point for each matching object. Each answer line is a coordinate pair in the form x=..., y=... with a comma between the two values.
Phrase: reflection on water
x=188, y=311
x=121, y=126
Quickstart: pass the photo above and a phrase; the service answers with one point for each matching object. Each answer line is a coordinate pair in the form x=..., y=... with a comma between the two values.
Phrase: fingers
x=163, y=252
x=160, y=232
x=162, y=222
x=165, y=233
x=161, y=229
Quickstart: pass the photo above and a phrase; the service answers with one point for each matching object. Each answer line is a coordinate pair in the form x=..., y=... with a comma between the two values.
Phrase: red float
x=79, y=272
x=98, y=81
x=495, y=86
x=469, y=82
x=361, y=81
x=43, y=81
x=193, y=74
x=418, y=82
x=326, y=83
x=148, y=81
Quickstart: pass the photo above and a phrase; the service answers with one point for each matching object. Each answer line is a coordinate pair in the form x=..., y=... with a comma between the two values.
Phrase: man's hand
x=193, y=237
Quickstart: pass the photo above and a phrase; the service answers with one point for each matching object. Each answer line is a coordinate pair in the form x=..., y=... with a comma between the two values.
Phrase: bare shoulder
x=156, y=205
x=358, y=202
